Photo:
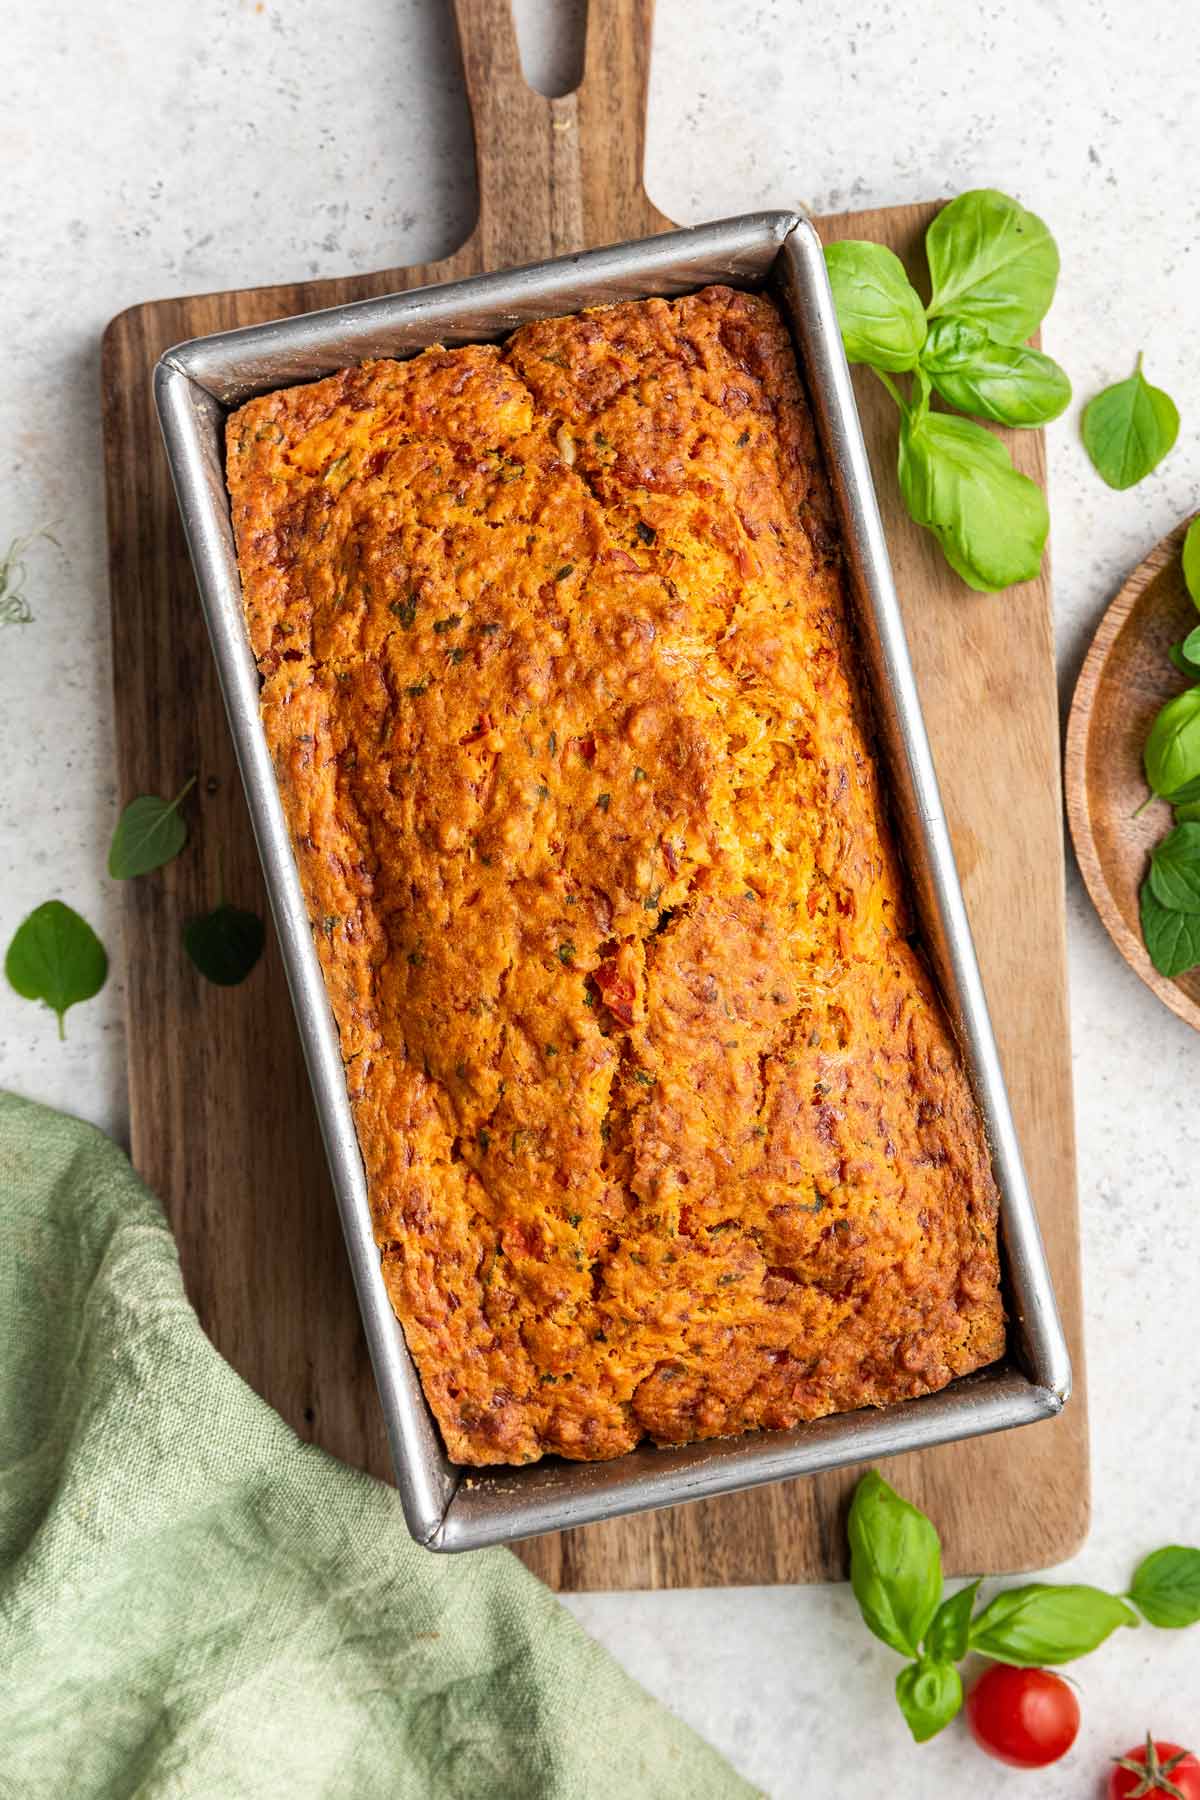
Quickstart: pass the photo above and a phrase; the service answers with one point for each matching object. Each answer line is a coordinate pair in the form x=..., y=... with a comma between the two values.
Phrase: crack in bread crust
x=665, y=1130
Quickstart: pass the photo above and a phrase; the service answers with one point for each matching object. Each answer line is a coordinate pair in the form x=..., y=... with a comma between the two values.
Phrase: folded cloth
x=195, y=1603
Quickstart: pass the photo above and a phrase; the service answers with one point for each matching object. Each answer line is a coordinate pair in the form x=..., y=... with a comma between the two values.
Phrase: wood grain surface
x=221, y=1120
x=1126, y=678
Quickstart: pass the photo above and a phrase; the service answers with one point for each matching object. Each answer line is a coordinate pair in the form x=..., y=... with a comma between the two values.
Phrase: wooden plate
x=1126, y=677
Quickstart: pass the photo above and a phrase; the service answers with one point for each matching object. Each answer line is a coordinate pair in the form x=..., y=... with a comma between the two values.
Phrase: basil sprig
x=1169, y=902
x=56, y=957
x=993, y=266
x=896, y=1573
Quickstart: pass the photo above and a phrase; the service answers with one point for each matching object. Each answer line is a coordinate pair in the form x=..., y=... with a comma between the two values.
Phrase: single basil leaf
x=880, y=313
x=55, y=956
x=1178, y=654
x=895, y=1564
x=149, y=833
x=948, y=1635
x=1166, y=1587
x=1172, y=938
x=1128, y=429
x=992, y=262
x=1188, y=813
x=1172, y=753
x=1191, y=559
x=1043, y=1623
x=928, y=1694
x=1009, y=383
x=1175, y=870
x=958, y=480
x=225, y=944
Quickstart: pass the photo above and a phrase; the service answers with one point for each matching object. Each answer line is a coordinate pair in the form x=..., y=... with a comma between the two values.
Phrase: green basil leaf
x=992, y=262
x=1172, y=753
x=1175, y=870
x=1188, y=813
x=948, y=1635
x=1183, y=660
x=1172, y=938
x=928, y=1694
x=150, y=832
x=1128, y=429
x=1166, y=1587
x=1043, y=1623
x=225, y=944
x=1009, y=383
x=880, y=313
x=895, y=1564
x=1191, y=559
x=958, y=480
x=55, y=956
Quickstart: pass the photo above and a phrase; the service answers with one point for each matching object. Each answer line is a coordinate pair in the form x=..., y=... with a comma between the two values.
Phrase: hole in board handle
x=550, y=37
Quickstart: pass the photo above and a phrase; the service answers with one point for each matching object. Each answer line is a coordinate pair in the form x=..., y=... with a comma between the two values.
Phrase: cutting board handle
x=554, y=175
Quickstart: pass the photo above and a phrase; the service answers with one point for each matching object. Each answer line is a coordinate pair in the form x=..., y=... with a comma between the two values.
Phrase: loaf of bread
x=665, y=1130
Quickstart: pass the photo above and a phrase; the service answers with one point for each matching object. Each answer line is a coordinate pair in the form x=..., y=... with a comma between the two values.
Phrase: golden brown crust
x=664, y=1128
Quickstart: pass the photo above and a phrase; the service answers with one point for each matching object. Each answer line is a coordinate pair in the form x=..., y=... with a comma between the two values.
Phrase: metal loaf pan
x=196, y=385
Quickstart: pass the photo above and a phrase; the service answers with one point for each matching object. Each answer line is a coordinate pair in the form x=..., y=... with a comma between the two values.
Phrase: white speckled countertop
x=143, y=160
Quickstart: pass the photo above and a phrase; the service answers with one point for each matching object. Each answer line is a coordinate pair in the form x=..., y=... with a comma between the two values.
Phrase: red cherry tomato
x=1026, y=1717
x=1151, y=1768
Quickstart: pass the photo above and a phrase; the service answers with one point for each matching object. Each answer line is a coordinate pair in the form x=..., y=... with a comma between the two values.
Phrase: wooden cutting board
x=221, y=1120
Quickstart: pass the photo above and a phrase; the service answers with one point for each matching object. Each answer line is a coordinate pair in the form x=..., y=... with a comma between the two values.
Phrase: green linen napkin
x=194, y=1603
